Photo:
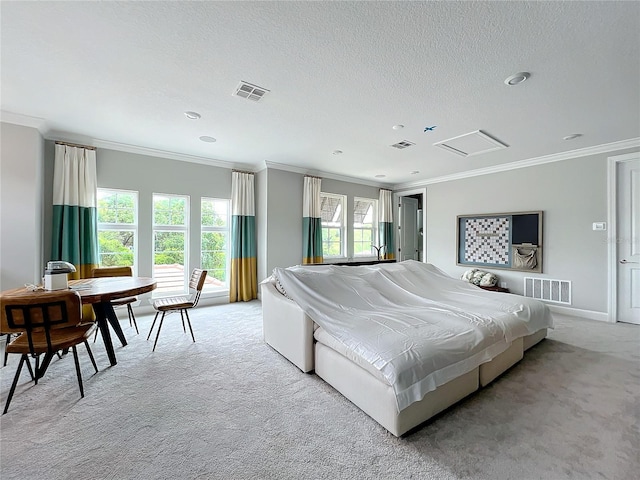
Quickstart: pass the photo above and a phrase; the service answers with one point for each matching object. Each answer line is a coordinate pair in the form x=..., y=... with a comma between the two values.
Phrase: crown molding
x=320, y=173
x=152, y=152
x=554, y=157
x=24, y=120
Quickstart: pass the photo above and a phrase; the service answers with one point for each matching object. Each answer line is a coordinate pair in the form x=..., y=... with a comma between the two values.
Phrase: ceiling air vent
x=250, y=91
x=402, y=144
x=473, y=143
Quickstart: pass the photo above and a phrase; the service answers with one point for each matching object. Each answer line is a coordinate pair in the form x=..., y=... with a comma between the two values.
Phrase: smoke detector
x=250, y=91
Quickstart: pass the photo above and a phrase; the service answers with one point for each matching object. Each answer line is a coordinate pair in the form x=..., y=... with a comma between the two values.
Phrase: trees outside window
x=333, y=225
x=214, y=246
x=365, y=227
x=170, y=241
x=117, y=228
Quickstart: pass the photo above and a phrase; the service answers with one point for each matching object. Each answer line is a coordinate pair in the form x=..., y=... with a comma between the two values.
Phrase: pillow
x=480, y=277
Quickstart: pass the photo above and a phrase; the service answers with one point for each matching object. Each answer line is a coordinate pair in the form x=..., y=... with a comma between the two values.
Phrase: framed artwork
x=501, y=240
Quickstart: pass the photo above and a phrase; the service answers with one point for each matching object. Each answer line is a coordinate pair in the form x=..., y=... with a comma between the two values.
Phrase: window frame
x=227, y=230
x=171, y=228
x=342, y=227
x=373, y=229
x=120, y=227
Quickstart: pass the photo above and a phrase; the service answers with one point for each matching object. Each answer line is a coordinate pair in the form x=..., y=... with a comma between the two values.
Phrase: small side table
x=495, y=288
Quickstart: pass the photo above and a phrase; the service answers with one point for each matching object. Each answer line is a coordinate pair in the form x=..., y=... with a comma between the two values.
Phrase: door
x=628, y=240
x=408, y=228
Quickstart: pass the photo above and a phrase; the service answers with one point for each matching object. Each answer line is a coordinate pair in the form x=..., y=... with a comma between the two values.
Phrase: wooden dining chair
x=119, y=272
x=46, y=323
x=179, y=304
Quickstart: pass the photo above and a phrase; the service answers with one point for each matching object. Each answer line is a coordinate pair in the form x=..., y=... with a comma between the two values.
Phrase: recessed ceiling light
x=380, y=176
x=572, y=136
x=192, y=115
x=517, y=78
x=398, y=127
x=336, y=152
x=207, y=139
x=415, y=172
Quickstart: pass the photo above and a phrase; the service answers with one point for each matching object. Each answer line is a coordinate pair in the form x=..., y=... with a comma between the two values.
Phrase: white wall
x=572, y=195
x=21, y=200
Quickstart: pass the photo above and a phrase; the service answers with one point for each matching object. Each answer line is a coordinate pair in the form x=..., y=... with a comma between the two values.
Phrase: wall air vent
x=250, y=91
x=473, y=143
x=558, y=291
x=402, y=144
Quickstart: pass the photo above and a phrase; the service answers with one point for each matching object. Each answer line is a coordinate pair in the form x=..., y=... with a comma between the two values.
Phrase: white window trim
x=172, y=228
x=133, y=227
x=343, y=227
x=374, y=228
x=226, y=230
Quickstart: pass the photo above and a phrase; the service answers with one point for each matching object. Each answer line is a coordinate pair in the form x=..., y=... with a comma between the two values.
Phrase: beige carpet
x=230, y=407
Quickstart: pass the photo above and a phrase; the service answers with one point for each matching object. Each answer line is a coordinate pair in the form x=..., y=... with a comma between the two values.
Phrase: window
x=117, y=228
x=365, y=227
x=170, y=240
x=333, y=225
x=214, y=243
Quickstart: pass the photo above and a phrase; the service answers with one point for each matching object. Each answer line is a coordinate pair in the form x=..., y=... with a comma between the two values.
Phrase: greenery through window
x=364, y=227
x=117, y=228
x=170, y=240
x=333, y=224
x=214, y=252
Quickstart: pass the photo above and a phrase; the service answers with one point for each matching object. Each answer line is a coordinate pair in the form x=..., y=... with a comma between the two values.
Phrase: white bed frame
x=290, y=331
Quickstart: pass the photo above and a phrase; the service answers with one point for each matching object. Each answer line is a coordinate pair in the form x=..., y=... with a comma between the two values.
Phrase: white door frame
x=396, y=199
x=612, y=240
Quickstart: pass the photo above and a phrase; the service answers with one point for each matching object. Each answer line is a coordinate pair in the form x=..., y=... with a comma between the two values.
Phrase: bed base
x=290, y=332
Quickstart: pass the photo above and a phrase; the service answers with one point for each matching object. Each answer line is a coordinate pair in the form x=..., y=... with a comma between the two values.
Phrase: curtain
x=75, y=227
x=311, y=221
x=385, y=224
x=244, y=272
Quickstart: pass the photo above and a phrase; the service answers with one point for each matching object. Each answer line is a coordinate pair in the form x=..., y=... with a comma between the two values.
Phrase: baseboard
x=576, y=312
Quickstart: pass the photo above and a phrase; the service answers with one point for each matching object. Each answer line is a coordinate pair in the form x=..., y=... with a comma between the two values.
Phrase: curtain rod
x=387, y=189
x=243, y=171
x=75, y=145
x=313, y=176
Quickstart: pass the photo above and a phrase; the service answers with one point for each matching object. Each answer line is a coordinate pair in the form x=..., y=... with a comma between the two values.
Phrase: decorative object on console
x=504, y=240
x=480, y=277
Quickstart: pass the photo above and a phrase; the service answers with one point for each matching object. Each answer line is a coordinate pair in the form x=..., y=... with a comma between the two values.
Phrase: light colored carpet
x=230, y=407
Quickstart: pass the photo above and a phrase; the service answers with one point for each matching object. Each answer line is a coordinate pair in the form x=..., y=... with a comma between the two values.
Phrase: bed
x=402, y=341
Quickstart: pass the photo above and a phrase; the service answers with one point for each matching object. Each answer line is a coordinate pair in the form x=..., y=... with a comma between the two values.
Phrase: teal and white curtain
x=75, y=192
x=244, y=270
x=311, y=221
x=385, y=224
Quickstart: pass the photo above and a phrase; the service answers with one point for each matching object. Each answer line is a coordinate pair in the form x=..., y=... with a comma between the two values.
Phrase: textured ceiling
x=340, y=75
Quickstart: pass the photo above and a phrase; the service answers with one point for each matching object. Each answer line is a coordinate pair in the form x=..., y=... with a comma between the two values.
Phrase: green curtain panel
x=244, y=270
x=75, y=224
x=385, y=224
x=311, y=221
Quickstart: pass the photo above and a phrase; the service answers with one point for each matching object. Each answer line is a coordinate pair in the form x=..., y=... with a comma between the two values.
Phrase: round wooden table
x=98, y=292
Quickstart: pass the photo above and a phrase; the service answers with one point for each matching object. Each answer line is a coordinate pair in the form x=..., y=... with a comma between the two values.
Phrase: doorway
x=624, y=238
x=411, y=234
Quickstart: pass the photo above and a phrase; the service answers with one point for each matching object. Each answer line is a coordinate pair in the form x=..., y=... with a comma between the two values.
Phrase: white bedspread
x=412, y=322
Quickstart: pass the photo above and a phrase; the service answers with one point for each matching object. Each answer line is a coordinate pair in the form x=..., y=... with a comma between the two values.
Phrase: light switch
x=599, y=225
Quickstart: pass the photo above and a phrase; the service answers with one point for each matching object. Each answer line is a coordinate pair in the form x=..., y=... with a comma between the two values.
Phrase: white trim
x=576, y=312
x=554, y=157
x=612, y=221
x=23, y=120
x=151, y=152
x=332, y=176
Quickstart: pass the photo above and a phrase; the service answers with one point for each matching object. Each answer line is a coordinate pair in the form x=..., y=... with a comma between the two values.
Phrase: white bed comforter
x=417, y=326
